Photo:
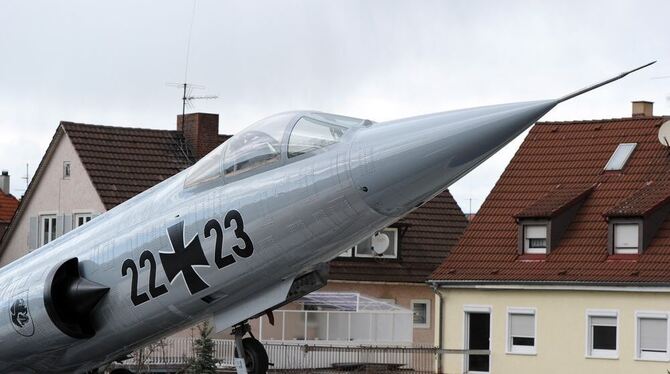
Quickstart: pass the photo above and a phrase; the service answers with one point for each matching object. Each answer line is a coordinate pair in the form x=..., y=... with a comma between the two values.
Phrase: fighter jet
x=247, y=229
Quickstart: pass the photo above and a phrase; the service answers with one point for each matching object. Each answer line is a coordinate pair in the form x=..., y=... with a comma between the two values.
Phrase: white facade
x=55, y=194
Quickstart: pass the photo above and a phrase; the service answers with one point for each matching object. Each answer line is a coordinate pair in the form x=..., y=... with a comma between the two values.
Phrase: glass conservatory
x=336, y=317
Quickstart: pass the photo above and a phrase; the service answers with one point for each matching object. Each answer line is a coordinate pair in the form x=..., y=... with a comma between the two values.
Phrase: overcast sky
x=108, y=62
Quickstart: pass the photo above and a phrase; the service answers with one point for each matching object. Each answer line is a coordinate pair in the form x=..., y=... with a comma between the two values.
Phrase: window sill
x=667, y=359
x=421, y=326
x=529, y=353
x=614, y=356
x=623, y=258
x=532, y=257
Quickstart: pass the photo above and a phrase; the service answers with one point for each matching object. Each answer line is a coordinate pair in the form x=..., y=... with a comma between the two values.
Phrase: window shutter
x=59, y=226
x=536, y=231
x=67, y=223
x=523, y=325
x=625, y=236
x=33, y=232
x=653, y=334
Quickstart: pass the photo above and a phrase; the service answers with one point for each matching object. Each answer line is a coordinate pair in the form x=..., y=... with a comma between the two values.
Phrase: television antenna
x=187, y=97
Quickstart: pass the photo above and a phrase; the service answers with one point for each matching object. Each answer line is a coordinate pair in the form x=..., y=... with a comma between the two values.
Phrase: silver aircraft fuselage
x=231, y=245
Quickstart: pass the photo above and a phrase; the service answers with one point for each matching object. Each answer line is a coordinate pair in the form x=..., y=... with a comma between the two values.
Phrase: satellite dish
x=380, y=243
x=664, y=134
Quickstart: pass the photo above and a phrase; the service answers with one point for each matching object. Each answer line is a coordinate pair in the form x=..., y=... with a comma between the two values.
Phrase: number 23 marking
x=221, y=261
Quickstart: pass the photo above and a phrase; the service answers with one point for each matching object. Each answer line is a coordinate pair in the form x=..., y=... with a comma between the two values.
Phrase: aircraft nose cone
x=400, y=164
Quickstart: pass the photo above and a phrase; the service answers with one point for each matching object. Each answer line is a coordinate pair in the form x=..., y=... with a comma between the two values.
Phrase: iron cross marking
x=184, y=259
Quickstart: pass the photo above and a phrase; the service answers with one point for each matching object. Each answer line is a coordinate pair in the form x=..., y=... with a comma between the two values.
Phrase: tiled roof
x=555, y=201
x=570, y=154
x=8, y=205
x=644, y=201
x=122, y=162
x=431, y=231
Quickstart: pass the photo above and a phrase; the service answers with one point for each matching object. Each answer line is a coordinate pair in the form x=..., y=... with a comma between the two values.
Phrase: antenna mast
x=187, y=88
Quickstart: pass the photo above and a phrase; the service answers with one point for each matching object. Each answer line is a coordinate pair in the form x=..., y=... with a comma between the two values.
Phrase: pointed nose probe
x=398, y=165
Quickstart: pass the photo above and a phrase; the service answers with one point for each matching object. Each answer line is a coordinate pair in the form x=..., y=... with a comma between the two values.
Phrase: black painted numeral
x=134, y=297
x=220, y=260
x=248, y=249
x=153, y=290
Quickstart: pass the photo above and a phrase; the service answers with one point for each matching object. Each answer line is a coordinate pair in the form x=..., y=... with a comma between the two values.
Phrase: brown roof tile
x=431, y=231
x=570, y=154
x=122, y=161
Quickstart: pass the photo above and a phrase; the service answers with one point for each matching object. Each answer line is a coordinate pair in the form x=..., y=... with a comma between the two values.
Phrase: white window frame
x=53, y=217
x=395, y=250
x=348, y=253
x=521, y=350
x=467, y=309
x=426, y=302
x=601, y=353
x=625, y=250
x=76, y=217
x=651, y=356
x=526, y=241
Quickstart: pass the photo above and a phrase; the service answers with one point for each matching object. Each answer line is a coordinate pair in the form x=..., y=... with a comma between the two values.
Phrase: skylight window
x=620, y=156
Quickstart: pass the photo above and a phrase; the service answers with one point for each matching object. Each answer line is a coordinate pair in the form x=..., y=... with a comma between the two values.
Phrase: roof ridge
x=66, y=124
x=603, y=120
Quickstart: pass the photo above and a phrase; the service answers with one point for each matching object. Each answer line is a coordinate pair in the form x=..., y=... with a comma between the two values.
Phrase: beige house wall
x=55, y=195
x=561, y=333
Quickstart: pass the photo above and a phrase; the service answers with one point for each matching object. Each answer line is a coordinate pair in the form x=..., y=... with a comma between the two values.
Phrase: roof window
x=620, y=156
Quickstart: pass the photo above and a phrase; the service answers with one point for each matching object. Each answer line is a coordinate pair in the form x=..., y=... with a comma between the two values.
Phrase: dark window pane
x=478, y=363
x=516, y=340
x=604, y=337
x=479, y=331
x=537, y=243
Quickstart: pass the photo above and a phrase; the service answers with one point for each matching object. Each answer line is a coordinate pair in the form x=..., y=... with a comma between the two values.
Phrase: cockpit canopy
x=263, y=142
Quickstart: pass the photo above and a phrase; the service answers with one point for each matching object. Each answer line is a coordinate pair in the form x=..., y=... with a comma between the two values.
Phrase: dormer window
x=620, y=156
x=626, y=238
x=535, y=239
x=542, y=224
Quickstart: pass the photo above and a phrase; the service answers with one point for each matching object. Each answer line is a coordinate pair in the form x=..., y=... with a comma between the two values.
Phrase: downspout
x=435, y=288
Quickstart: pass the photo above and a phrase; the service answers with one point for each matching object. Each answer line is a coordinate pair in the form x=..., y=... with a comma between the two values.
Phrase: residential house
x=566, y=266
x=89, y=169
x=8, y=203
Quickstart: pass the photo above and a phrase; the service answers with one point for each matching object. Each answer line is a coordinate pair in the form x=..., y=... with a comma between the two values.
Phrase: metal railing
x=174, y=353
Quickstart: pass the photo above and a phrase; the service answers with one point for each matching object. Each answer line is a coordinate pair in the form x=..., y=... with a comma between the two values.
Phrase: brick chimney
x=201, y=131
x=643, y=108
x=4, y=182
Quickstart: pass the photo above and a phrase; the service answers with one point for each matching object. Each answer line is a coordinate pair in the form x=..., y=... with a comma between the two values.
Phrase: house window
x=602, y=335
x=382, y=244
x=521, y=331
x=81, y=218
x=535, y=239
x=620, y=156
x=348, y=253
x=652, y=336
x=48, y=228
x=421, y=310
x=67, y=169
x=626, y=238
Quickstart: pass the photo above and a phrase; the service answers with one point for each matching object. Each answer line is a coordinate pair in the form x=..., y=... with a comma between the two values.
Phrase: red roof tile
x=8, y=205
x=557, y=200
x=644, y=201
x=570, y=154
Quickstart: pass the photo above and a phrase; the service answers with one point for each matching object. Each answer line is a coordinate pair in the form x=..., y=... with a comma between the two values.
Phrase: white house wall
x=55, y=195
